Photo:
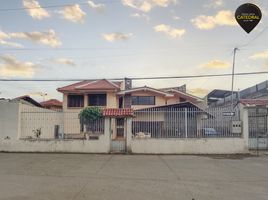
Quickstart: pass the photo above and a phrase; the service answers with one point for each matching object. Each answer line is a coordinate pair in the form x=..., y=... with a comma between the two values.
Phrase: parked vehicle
x=209, y=132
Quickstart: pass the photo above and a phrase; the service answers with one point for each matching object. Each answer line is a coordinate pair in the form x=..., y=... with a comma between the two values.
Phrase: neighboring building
x=224, y=97
x=28, y=99
x=52, y=104
x=217, y=95
x=116, y=94
x=254, y=103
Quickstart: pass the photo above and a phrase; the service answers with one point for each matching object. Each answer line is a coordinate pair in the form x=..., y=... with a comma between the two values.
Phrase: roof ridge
x=72, y=84
x=111, y=83
x=147, y=88
x=186, y=94
x=79, y=86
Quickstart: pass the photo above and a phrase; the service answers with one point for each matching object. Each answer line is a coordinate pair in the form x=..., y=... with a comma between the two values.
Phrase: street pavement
x=114, y=177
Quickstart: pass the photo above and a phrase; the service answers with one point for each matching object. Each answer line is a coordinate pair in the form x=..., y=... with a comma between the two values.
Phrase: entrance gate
x=118, y=145
x=119, y=118
x=258, y=129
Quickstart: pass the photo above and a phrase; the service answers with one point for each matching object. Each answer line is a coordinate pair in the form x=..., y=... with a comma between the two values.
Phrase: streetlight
x=43, y=95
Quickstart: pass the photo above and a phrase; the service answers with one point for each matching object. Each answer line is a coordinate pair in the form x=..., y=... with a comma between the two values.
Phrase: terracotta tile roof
x=91, y=85
x=254, y=102
x=118, y=112
x=51, y=102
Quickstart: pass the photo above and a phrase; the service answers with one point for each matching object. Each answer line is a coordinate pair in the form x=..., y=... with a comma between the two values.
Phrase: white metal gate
x=258, y=129
x=118, y=146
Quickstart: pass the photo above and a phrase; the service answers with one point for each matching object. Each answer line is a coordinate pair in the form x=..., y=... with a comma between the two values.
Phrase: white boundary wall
x=194, y=145
x=102, y=145
x=139, y=146
x=68, y=146
x=189, y=146
x=9, y=119
x=33, y=118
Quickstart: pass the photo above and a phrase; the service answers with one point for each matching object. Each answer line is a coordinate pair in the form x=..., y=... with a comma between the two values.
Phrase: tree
x=89, y=117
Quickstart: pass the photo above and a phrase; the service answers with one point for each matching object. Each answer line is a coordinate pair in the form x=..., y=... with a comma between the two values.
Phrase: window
x=143, y=100
x=75, y=101
x=120, y=102
x=97, y=100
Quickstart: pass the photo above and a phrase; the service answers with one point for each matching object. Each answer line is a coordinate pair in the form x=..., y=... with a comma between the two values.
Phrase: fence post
x=245, y=128
x=19, y=128
x=186, y=122
x=128, y=134
x=107, y=133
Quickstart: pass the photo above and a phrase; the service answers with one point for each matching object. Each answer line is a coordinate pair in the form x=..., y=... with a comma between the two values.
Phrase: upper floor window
x=143, y=100
x=75, y=101
x=97, y=100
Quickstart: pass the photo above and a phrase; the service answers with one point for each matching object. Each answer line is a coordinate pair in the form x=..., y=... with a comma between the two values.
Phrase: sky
x=127, y=38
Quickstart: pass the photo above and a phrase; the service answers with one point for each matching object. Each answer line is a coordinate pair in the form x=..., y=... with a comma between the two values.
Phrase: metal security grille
x=185, y=123
x=118, y=146
x=258, y=130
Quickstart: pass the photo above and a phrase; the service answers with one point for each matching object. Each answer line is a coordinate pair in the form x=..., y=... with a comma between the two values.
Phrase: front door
x=120, y=128
x=118, y=145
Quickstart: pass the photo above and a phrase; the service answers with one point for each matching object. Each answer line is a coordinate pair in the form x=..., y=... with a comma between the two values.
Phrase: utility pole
x=232, y=97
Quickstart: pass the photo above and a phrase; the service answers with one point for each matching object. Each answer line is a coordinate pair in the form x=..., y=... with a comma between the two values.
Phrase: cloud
x=199, y=91
x=259, y=55
x=140, y=16
x=98, y=7
x=64, y=61
x=3, y=37
x=34, y=9
x=216, y=64
x=176, y=17
x=11, y=67
x=48, y=38
x=147, y=5
x=73, y=13
x=222, y=18
x=215, y=4
x=10, y=44
x=117, y=36
x=170, y=31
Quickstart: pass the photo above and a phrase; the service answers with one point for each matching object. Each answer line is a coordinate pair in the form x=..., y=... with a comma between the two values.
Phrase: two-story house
x=115, y=94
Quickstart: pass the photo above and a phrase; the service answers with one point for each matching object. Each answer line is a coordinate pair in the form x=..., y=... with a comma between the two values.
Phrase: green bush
x=88, y=115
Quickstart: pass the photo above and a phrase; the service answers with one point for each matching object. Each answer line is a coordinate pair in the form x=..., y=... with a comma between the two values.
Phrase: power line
x=137, y=78
x=103, y=48
x=253, y=39
x=53, y=6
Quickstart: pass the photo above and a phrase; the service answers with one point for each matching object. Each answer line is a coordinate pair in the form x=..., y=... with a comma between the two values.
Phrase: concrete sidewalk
x=115, y=177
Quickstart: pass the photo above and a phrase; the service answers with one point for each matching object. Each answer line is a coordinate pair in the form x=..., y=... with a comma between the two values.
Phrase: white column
x=245, y=129
x=129, y=134
x=107, y=133
x=186, y=123
x=19, y=120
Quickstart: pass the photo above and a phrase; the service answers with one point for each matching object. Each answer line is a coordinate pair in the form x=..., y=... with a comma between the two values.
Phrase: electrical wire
x=53, y=6
x=136, y=78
